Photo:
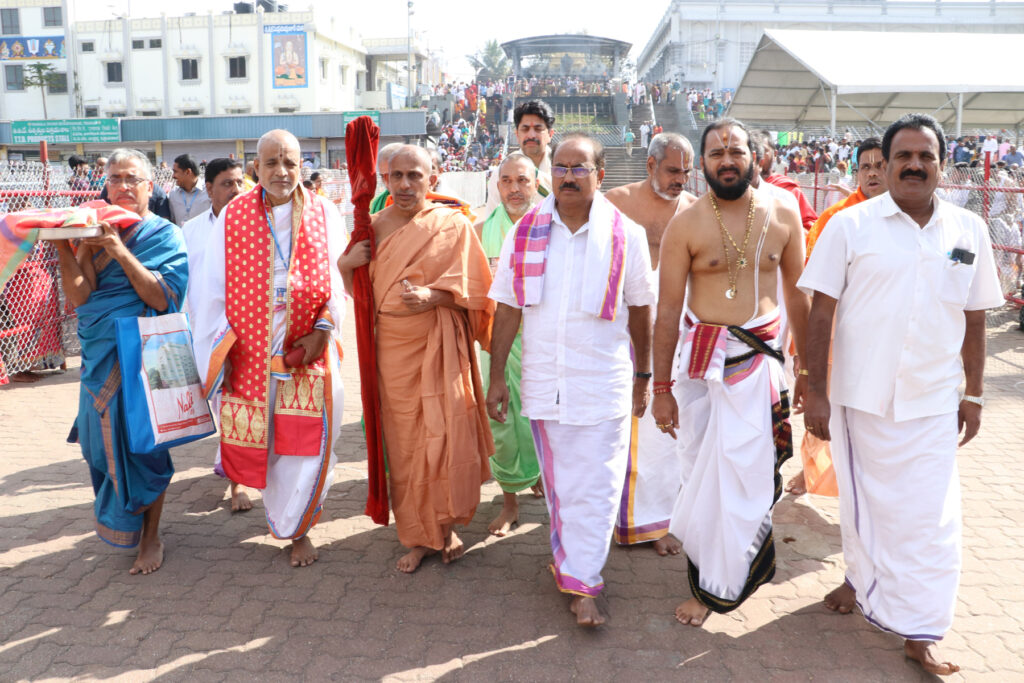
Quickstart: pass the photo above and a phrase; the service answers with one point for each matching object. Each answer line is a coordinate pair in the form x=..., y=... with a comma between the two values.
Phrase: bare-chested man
x=732, y=412
x=430, y=280
x=652, y=480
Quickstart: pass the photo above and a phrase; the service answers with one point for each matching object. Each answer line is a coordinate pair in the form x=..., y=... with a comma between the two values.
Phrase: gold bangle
x=803, y=371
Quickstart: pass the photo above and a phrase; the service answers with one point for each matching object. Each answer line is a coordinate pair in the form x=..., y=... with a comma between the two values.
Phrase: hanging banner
x=13, y=48
x=289, y=55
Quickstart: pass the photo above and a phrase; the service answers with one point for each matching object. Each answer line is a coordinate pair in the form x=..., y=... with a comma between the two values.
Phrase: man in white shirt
x=188, y=198
x=535, y=124
x=224, y=182
x=909, y=277
x=577, y=274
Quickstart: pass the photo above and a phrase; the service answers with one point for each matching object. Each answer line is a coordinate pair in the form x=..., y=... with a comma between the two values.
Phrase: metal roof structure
x=567, y=42
x=858, y=78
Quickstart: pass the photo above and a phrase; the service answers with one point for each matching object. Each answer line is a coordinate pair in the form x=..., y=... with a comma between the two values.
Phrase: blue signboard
x=14, y=48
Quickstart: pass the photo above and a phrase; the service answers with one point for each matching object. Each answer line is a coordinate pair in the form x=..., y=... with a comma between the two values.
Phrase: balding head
x=409, y=178
x=384, y=155
x=278, y=165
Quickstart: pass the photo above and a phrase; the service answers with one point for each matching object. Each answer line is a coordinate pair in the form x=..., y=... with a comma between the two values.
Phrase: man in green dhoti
x=514, y=463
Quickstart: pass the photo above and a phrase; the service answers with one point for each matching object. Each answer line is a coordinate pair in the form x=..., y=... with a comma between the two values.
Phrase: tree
x=490, y=62
x=41, y=76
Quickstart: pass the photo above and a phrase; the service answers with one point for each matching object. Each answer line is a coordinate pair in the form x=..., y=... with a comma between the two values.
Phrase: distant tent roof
x=808, y=77
x=568, y=42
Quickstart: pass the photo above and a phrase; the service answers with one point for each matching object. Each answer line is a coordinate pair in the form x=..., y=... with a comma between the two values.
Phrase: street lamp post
x=408, y=47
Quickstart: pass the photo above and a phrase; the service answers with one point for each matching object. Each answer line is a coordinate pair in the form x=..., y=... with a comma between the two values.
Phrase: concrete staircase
x=622, y=170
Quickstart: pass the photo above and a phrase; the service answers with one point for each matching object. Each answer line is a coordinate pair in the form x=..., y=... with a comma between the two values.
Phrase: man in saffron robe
x=514, y=463
x=268, y=309
x=726, y=251
x=818, y=475
x=123, y=273
x=430, y=280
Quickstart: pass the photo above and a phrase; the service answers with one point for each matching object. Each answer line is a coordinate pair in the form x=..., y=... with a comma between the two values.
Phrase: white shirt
x=576, y=366
x=900, y=321
x=197, y=233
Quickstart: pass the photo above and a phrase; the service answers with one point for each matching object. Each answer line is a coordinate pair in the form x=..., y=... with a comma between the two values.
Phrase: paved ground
x=226, y=604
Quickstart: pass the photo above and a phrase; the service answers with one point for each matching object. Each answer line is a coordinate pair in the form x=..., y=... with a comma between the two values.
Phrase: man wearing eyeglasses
x=652, y=479
x=119, y=274
x=265, y=336
x=576, y=273
x=818, y=475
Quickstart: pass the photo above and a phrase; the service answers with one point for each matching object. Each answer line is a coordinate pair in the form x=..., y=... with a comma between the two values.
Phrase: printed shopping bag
x=163, y=399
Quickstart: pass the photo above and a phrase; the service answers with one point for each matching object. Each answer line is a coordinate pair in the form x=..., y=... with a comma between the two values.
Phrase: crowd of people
x=637, y=349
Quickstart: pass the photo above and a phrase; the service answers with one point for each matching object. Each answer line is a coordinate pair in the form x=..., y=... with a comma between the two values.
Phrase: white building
x=214, y=64
x=33, y=32
x=709, y=44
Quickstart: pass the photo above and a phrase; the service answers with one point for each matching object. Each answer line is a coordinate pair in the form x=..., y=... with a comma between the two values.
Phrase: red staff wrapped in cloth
x=361, y=137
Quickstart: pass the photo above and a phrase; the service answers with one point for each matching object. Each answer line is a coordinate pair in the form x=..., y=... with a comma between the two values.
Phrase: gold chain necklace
x=741, y=253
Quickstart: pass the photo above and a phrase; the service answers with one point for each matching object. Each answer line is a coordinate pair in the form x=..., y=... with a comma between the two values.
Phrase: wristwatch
x=974, y=399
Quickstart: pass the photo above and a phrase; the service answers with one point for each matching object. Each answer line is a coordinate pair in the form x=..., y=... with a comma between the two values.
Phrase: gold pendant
x=730, y=293
x=742, y=263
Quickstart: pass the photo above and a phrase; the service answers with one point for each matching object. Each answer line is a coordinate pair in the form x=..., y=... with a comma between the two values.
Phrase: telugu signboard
x=348, y=117
x=66, y=130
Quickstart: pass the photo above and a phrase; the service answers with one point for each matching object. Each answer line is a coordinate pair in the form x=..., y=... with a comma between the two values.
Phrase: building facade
x=709, y=44
x=33, y=32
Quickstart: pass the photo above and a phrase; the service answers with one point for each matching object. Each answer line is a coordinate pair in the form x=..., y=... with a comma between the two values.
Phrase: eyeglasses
x=577, y=171
x=127, y=181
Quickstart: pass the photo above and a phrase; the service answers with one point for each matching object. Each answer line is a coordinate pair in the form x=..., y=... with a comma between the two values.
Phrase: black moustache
x=726, y=170
x=569, y=186
x=914, y=174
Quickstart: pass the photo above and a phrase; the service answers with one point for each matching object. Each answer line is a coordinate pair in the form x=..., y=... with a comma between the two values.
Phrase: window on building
x=286, y=110
x=149, y=112
x=58, y=83
x=10, y=22
x=117, y=114
x=155, y=43
x=88, y=46
x=190, y=112
x=14, y=76
x=53, y=16
x=699, y=53
x=236, y=110
x=92, y=112
x=343, y=74
x=189, y=69
x=747, y=52
x=138, y=44
x=323, y=69
x=114, y=72
x=236, y=67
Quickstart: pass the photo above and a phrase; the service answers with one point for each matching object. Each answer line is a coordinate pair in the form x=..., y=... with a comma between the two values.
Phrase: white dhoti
x=583, y=467
x=899, y=502
x=734, y=435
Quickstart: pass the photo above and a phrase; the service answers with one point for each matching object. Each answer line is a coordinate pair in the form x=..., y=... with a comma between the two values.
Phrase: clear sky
x=456, y=27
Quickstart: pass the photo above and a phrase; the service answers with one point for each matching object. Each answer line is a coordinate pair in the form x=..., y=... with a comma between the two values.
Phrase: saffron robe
x=432, y=402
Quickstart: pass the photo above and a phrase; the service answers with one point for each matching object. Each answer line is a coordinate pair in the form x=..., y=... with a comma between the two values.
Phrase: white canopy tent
x=857, y=78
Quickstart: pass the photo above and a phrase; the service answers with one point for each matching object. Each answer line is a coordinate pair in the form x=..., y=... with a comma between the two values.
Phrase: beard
x=518, y=208
x=730, y=192
x=670, y=194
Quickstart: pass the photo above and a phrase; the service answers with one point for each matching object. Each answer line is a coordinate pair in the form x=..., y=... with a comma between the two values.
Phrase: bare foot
x=507, y=518
x=150, y=557
x=239, y=498
x=538, y=489
x=797, y=485
x=453, y=548
x=692, y=613
x=667, y=545
x=842, y=599
x=303, y=552
x=586, y=611
x=25, y=377
x=923, y=652
x=410, y=562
